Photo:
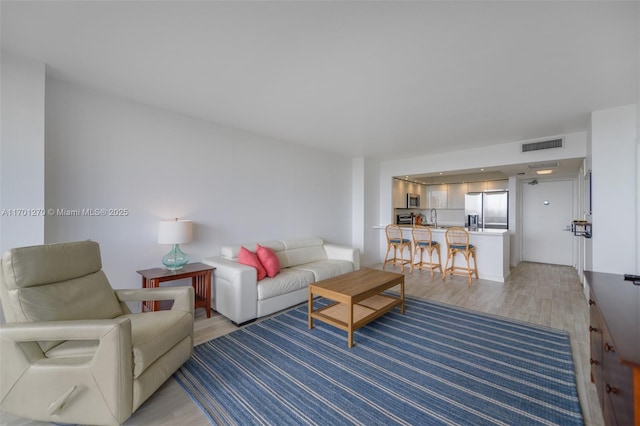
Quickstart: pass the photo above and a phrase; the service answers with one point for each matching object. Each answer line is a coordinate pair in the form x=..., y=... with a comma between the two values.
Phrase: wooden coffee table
x=358, y=299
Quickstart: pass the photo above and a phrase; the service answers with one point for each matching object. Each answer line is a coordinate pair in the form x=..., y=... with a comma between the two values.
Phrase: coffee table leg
x=402, y=295
x=350, y=325
x=310, y=309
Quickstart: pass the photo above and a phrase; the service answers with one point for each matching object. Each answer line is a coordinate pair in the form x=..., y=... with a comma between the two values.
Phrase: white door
x=547, y=210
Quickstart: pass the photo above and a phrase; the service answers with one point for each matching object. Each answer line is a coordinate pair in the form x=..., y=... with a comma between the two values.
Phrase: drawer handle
x=592, y=302
x=594, y=361
x=609, y=348
x=610, y=389
x=592, y=329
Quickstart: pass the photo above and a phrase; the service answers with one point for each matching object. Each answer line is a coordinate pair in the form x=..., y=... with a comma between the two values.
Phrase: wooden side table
x=199, y=273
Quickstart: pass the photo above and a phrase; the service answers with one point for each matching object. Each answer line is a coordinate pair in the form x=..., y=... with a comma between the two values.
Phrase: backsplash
x=449, y=217
x=446, y=217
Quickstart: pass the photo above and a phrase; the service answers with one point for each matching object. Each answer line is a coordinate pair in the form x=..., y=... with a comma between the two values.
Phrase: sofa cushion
x=302, y=255
x=269, y=260
x=324, y=269
x=249, y=258
x=154, y=333
x=231, y=252
x=50, y=263
x=288, y=280
x=302, y=242
x=88, y=297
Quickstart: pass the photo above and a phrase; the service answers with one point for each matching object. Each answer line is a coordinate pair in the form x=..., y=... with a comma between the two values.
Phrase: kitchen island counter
x=492, y=249
x=443, y=228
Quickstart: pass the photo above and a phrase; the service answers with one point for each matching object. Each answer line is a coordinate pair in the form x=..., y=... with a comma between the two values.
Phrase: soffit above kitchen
x=559, y=169
x=386, y=79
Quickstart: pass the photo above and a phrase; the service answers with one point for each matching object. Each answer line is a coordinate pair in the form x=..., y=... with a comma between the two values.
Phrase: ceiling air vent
x=540, y=145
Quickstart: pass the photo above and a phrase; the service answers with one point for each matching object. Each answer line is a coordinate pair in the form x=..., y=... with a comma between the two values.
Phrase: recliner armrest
x=61, y=330
x=103, y=379
x=182, y=296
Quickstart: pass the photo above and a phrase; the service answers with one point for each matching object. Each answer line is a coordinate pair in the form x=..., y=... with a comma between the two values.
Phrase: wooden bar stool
x=423, y=241
x=458, y=242
x=396, y=241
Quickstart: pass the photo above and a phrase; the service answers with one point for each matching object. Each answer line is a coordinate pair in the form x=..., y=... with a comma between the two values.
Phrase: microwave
x=413, y=201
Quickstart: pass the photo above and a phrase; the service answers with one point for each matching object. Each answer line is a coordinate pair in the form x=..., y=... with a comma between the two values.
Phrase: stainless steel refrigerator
x=491, y=209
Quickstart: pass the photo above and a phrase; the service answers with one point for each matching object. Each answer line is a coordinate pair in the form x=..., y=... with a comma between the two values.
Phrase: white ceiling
x=362, y=78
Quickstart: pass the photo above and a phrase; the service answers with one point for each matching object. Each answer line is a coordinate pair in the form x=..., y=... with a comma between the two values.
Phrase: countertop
x=442, y=229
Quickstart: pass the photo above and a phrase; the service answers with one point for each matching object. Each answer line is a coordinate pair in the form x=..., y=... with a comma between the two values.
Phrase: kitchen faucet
x=433, y=213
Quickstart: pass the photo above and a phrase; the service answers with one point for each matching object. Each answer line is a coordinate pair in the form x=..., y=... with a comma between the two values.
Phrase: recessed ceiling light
x=441, y=173
x=482, y=170
x=544, y=172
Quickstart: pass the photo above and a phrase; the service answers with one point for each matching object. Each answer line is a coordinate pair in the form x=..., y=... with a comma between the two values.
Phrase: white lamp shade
x=175, y=232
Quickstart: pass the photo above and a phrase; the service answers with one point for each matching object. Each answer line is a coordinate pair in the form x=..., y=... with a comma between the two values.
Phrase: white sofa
x=239, y=296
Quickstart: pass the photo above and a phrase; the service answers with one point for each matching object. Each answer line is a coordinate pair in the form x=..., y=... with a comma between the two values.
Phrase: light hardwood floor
x=542, y=294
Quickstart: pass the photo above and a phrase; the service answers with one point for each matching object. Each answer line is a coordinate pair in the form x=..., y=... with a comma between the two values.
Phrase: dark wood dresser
x=615, y=346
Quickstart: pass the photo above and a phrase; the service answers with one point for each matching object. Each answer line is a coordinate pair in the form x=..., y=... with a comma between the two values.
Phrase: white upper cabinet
x=477, y=186
x=437, y=196
x=497, y=184
x=442, y=196
x=424, y=197
x=455, y=195
x=399, y=194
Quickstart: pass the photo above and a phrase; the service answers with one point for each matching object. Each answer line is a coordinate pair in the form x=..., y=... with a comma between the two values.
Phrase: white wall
x=497, y=155
x=372, y=201
x=359, y=208
x=588, y=244
x=613, y=163
x=21, y=152
x=108, y=153
x=638, y=164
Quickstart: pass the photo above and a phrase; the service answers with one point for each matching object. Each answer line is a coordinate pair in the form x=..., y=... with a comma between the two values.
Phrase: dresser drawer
x=614, y=333
x=617, y=385
x=596, y=326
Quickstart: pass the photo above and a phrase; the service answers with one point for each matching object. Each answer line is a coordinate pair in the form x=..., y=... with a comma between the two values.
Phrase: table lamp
x=175, y=232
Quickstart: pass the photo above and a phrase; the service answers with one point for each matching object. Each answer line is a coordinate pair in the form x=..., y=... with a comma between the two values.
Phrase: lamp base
x=175, y=259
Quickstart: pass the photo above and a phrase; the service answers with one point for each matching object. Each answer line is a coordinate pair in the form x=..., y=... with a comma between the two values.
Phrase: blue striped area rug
x=436, y=364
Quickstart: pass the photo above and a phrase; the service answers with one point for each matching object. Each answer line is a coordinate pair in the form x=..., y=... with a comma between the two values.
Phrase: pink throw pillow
x=269, y=260
x=249, y=258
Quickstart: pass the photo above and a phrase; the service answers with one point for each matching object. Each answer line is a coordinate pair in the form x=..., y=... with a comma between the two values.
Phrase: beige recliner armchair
x=71, y=350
